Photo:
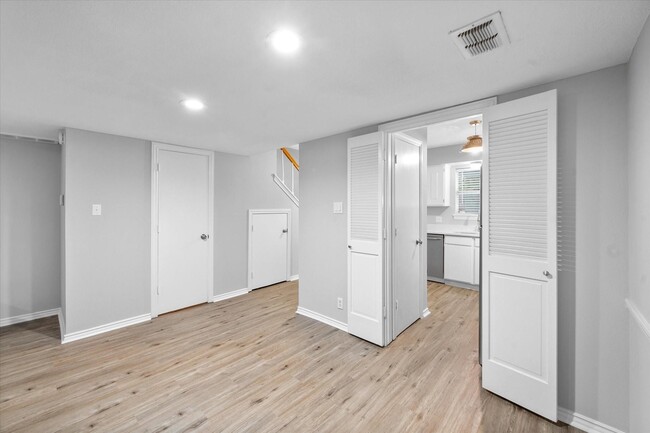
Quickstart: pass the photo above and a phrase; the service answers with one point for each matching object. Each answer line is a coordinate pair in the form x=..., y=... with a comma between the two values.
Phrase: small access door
x=268, y=247
x=365, y=238
x=407, y=245
x=519, y=292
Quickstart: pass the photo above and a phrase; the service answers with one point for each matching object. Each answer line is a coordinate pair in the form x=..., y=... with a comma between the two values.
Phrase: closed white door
x=365, y=238
x=407, y=245
x=519, y=293
x=268, y=248
x=184, y=265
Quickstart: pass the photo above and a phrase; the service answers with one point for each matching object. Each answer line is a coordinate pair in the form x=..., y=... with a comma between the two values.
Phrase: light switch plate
x=438, y=219
x=337, y=207
x=97, y=209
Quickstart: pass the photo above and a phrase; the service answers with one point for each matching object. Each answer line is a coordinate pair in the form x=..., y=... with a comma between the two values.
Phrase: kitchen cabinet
x=438, y=180
x=459, y=259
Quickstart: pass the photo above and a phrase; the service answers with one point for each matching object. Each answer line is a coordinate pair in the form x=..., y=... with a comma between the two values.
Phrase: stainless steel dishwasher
x=436, y=257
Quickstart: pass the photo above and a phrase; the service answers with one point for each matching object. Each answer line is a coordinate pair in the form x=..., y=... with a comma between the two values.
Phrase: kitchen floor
x=250, y=364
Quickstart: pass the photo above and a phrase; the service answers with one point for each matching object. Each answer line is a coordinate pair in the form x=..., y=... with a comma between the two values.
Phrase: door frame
x=387, y=130
x=252, y=212
x=155, y=149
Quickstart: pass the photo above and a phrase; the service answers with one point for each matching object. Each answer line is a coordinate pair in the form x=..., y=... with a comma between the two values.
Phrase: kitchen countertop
x=453, y=230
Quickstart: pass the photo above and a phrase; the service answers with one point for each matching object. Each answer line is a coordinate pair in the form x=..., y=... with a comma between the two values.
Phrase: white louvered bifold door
x=519, y=284
x=365, y=239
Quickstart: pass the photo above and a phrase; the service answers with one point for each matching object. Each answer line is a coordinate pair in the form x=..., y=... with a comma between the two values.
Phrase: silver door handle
x=418, y=242
x=205, y=237
x=285, y=231
x=547, y=274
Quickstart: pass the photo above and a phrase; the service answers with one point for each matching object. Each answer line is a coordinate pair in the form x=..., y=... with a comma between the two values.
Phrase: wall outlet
x=339, y=303
x=97, y=210
x=337, y=207
x=438, y=219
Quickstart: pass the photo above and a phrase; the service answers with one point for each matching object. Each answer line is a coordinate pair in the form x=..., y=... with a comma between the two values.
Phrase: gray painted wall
x=107, y=257
x=323, y=256
x=639, y=227
x=592, y=135
x=448, y=155
x=30, y=259
x=230, y=222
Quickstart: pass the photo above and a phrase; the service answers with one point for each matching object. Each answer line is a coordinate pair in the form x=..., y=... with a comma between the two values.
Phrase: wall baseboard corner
x=294, y=277
x=6, y=321
x=228, y=295
x=78, y=335
x=323, y=319
x=584, y=422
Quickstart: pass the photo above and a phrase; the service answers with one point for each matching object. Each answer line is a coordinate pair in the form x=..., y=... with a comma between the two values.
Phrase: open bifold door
x=519, y=281
x=365, y=238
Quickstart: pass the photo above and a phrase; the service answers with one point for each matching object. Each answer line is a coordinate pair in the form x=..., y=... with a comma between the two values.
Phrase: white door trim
x=386, y=131
x=252, y=212
x=155, y=148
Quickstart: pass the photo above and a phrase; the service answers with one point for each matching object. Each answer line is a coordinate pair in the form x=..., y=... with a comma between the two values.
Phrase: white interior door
x=268, y=247
x=184, y=267
x=365, y=238
x=519, y=293
x=407, y=245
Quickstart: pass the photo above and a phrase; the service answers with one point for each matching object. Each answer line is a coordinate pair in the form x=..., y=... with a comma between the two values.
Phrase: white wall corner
x=584, y=423
x=78, y=335
x=6, y=321
x=231, y=294
x=323, y=319
x=293, y=277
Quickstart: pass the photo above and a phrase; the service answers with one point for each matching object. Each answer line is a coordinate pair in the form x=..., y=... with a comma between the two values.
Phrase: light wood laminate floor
x=250, y=364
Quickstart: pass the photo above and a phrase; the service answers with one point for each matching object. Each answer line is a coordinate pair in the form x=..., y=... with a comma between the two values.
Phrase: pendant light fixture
x=474, y=142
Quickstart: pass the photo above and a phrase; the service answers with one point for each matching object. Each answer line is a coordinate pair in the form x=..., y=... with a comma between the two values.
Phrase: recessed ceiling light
x=193, y=104
x=285, y=41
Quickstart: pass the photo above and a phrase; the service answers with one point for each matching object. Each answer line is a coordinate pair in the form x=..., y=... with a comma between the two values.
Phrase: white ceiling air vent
x=481, y=36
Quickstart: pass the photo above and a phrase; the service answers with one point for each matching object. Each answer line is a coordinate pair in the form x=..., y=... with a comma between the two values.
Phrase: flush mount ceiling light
x=193, y=104
x=284, y=41
x=474, y=142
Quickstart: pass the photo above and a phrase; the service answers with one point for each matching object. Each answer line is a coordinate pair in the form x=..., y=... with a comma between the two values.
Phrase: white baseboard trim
x=638, y=317
x=294, y=277
x=584, y=422
x=425, y=313
x=228, y=295
x=321, y=318
x=78, y=335
x=61, y=324
x=6, y=321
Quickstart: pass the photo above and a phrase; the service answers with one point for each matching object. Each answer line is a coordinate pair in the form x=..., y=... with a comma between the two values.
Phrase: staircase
x=287, y=176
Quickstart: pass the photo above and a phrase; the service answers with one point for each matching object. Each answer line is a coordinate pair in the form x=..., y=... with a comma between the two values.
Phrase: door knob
x=205, y=237
x=547, y=274
x=285, y=231
x=418, y=242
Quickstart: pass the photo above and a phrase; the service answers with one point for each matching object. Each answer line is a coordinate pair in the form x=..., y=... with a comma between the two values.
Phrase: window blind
x=468, y=191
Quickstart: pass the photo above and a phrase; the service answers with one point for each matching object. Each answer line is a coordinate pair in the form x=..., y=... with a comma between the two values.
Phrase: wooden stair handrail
x=290, y=158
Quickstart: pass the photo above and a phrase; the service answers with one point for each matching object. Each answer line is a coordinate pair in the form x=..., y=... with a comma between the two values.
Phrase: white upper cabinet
x=438, y=177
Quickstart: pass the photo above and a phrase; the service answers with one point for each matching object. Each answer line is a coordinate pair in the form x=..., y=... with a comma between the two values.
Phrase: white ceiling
x=450, y=133
x=122, y=67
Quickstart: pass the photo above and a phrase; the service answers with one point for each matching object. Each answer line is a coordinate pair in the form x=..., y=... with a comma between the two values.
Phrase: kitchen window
x=468, y=192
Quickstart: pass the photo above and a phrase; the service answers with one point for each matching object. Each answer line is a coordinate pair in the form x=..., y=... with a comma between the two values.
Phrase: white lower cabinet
x=459, y=259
